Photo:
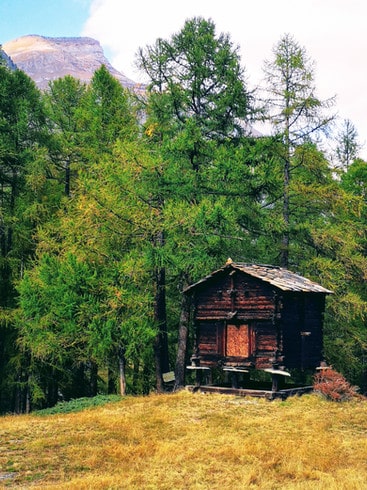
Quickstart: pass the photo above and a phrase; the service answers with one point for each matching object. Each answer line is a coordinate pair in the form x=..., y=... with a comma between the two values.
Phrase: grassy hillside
x=189, y=441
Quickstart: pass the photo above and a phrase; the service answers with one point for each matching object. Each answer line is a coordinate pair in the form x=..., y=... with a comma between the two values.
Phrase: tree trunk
x=28, y=395
x=284, y=253
x=182, y=342
x=16, y=397
x=122, y=374
x=160, y=316
x=157, y=361
x=67, y=179
x=93, y=380
x=52, y=388
x=79, y=386
x=111, y=381
x=136, y=369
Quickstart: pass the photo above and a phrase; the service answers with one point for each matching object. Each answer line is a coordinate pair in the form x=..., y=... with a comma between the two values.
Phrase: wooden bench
x=277, y=375
x=235, y=371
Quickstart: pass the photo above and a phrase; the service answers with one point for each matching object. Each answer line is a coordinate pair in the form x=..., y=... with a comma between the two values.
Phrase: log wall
x=247, y=297
x=283, y=327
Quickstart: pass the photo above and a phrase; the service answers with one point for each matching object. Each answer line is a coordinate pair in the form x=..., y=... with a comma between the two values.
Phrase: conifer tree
x=295, y=112
x=63, y=102
x=347, y=144
x=23, y=140
x=198, y=108
x=88, y=124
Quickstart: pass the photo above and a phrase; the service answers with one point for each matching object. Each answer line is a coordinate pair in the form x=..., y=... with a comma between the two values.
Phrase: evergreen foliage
x=348, y=145
x=111, y=205
x=296, y=113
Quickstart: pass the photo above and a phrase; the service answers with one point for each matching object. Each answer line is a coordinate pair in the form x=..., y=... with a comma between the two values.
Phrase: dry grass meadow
x=189, y=441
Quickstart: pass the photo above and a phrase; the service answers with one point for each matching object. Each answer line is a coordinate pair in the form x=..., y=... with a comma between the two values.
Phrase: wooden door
x=239, y=340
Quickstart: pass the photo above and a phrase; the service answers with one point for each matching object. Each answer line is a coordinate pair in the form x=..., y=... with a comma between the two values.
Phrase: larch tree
x=348, y=145
x=63, y=103
x=107, y=114
x=197, y=89
x=23, y=146
x=321, y=232
x=295, y=112
x=120, y=199
x=97, y=317
x=197, y=108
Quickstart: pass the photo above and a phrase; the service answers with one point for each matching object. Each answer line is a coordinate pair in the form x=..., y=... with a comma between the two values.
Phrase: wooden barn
x=257, y=316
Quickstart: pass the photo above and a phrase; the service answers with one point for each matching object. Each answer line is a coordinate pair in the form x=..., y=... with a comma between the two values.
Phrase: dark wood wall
x=247, y=296
x=302, y=320
x=283, y=328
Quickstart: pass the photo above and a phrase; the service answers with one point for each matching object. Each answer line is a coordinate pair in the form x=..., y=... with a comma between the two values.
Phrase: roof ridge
x=251, y=264
x=276, y=276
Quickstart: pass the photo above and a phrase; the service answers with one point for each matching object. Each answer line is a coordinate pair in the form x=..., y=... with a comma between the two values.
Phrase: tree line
x=112, y=203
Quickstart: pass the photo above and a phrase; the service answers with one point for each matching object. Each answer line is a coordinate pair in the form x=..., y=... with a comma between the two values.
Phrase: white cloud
x=332, y=32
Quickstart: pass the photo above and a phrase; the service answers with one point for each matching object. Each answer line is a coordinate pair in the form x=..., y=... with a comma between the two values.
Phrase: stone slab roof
x=276, y=276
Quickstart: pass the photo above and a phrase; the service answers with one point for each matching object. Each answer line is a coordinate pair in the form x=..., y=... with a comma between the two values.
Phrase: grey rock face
x=45, y=59
x=6, y=60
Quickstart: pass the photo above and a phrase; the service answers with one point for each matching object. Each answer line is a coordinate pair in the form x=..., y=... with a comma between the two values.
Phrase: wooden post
x=234, y=373
x=277, y=376
x=198, y=373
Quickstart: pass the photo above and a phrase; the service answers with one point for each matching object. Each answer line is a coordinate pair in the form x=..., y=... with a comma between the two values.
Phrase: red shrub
x=333, y=386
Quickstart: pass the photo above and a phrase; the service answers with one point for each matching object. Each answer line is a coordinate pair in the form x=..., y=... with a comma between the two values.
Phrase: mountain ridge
x=45, y=59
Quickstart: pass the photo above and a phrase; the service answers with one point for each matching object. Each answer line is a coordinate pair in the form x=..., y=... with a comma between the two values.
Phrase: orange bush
x=333, y=386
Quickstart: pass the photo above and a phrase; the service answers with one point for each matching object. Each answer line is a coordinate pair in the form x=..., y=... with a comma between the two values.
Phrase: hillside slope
x=189, y=441
x=47, y=58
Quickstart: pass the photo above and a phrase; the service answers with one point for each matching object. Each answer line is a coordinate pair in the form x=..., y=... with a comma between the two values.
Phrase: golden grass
x=190, y=441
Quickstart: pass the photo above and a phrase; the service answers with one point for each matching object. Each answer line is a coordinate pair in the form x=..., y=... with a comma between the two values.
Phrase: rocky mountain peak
x=48, y=58
x=6, y=60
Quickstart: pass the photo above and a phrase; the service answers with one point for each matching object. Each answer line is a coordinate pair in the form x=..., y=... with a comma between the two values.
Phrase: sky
x=333, y=33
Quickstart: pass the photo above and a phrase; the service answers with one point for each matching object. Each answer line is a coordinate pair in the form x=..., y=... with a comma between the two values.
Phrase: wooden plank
x=198, y=368
x=235, y=370
x=269, y=395
x=277, y=372
x=238, y=342
x=266, y=342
